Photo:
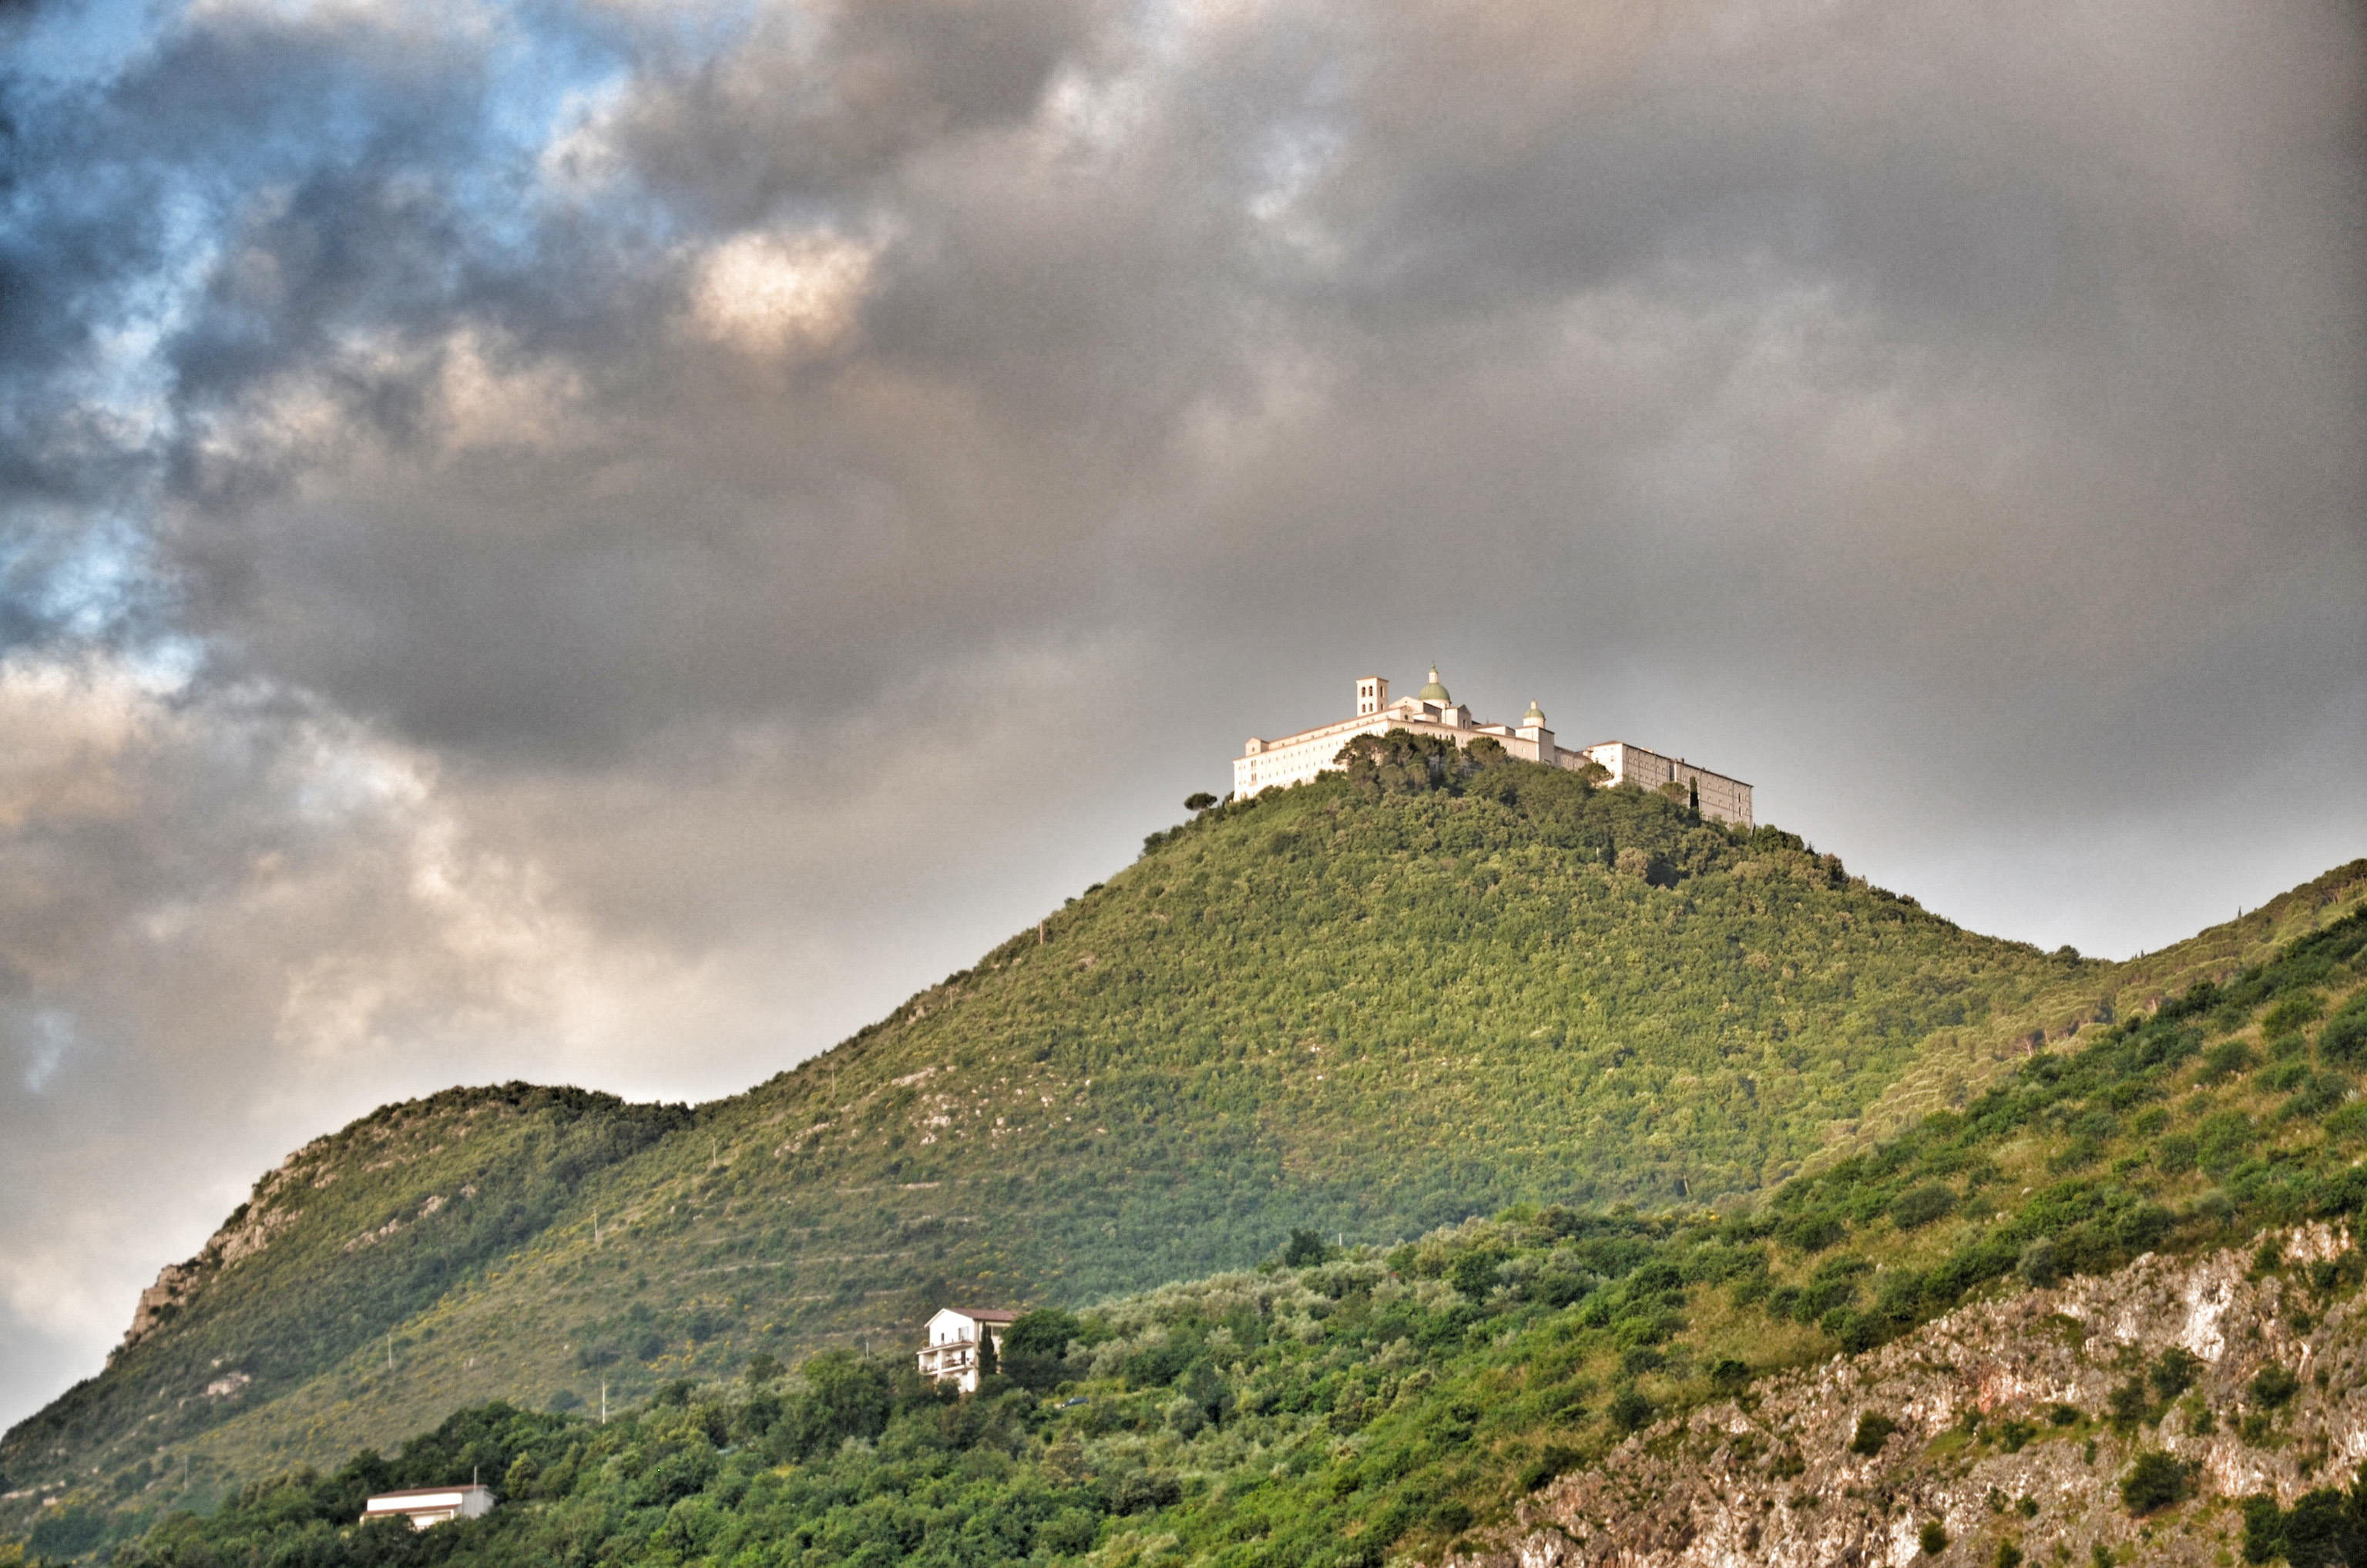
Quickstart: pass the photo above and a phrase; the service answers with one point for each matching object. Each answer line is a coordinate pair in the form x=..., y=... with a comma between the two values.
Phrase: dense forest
x=1343, y=1406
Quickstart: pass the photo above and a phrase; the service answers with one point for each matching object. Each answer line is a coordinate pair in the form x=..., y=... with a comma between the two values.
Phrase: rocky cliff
x=2111, y=1419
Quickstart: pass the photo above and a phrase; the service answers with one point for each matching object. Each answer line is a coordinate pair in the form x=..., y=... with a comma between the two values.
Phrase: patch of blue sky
x=1290, y=162
x=44, y=1037
x=124, y=380
x=166, y=663
x=536, y=80
x=94, y=585
x=685, y=35
x=1166, y=28
x=83, y=45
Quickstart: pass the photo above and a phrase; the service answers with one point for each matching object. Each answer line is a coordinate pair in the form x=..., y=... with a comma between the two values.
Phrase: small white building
x=1297, y=759
x=955, y=1335
x=426, y=1505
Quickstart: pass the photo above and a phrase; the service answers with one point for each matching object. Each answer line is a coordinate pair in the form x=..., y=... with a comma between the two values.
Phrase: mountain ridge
x=1367, y=1005
x=2114, y=1301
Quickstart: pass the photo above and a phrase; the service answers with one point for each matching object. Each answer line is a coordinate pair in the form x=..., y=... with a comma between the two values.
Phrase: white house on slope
x=426, y=1505
x=955, y=1335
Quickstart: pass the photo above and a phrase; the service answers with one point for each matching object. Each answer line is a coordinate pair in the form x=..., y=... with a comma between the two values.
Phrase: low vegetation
x=1357, y=1404
x=1375, y=1004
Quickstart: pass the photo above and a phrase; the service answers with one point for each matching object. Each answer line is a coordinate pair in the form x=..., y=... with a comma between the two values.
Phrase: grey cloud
x=822, y=104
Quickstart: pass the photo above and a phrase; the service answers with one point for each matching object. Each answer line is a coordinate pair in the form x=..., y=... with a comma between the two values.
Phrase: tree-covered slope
x=1365, y=1011
x=2139, y=1249
x=1367, y=1008
x=336, y=1250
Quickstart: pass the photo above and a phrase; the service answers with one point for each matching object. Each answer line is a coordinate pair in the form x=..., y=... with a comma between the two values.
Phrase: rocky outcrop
x=247, y=1232
x=175, y=1282
x=2017, y=1422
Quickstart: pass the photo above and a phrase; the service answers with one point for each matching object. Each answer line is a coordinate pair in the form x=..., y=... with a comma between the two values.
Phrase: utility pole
x=604, y=1402
x=595, y=1227
x=390, y=1351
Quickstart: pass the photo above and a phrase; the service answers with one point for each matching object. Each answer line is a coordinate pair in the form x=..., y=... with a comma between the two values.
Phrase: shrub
x=2319, y=1094
x=1640, y=1359
x=1629, y=1410
x=2174, y=1372
x=2039, y=1265
x=1932, y=1537
x=2322, y=1529
x=67, y=1532
x=2292, y=1014
x=2225, y=1139
x=2225, y=1060
x=1043, y=1332
x=2174, y=1156
x=1144, y=1490
x=1474, y=1274
x=1874, y=1429
x=2344, y=1040
x=1810, y=1232
x=2275, y=1386
x=2155, y=1482
x=1549, y=1463
x=1913, y=1209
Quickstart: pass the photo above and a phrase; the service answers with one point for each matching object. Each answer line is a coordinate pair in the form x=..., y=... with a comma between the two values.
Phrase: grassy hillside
x=333, y=1255
x=1367, y=1008
x=1398, y=1403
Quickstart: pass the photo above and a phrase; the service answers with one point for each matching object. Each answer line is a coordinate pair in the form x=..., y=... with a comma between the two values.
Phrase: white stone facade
x=426, y=1505
x=1297, y=759
x=1722, y=798
x=955, y=1335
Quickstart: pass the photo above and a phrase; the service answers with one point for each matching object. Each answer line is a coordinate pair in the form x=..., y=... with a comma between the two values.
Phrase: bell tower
x=1372, y=695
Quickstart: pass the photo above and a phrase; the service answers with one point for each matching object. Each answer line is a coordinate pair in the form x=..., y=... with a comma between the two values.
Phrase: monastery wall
x=1722, y=798
x=1297, y=759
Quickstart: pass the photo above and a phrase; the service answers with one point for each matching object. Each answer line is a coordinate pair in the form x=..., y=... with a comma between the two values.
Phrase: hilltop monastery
x=1295, y=759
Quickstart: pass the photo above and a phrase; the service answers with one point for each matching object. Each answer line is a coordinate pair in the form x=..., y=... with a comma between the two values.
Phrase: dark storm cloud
x=529, y=531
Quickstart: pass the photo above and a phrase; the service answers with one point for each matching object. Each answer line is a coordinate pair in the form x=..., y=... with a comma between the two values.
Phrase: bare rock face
x=247, y=1233
x=175, y=1284
x=2006, y=1433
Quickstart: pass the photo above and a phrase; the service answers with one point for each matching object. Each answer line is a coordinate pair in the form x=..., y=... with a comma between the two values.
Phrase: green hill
x=1370, y=1404
x=1365, y=1008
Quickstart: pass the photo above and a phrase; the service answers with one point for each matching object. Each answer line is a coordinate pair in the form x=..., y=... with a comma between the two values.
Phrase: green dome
x=1434, y=692
x=1536, y=715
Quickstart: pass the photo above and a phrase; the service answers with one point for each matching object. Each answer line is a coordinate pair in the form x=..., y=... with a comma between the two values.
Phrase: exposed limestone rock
x=247, y=1232
x=2004, y=1434
x=175, y=1284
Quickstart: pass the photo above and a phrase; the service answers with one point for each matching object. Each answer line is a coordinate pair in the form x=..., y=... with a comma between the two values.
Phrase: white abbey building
x=1295, y=759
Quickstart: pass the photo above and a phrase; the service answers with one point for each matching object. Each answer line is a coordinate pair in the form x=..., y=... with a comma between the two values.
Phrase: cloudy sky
x=612, y=540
